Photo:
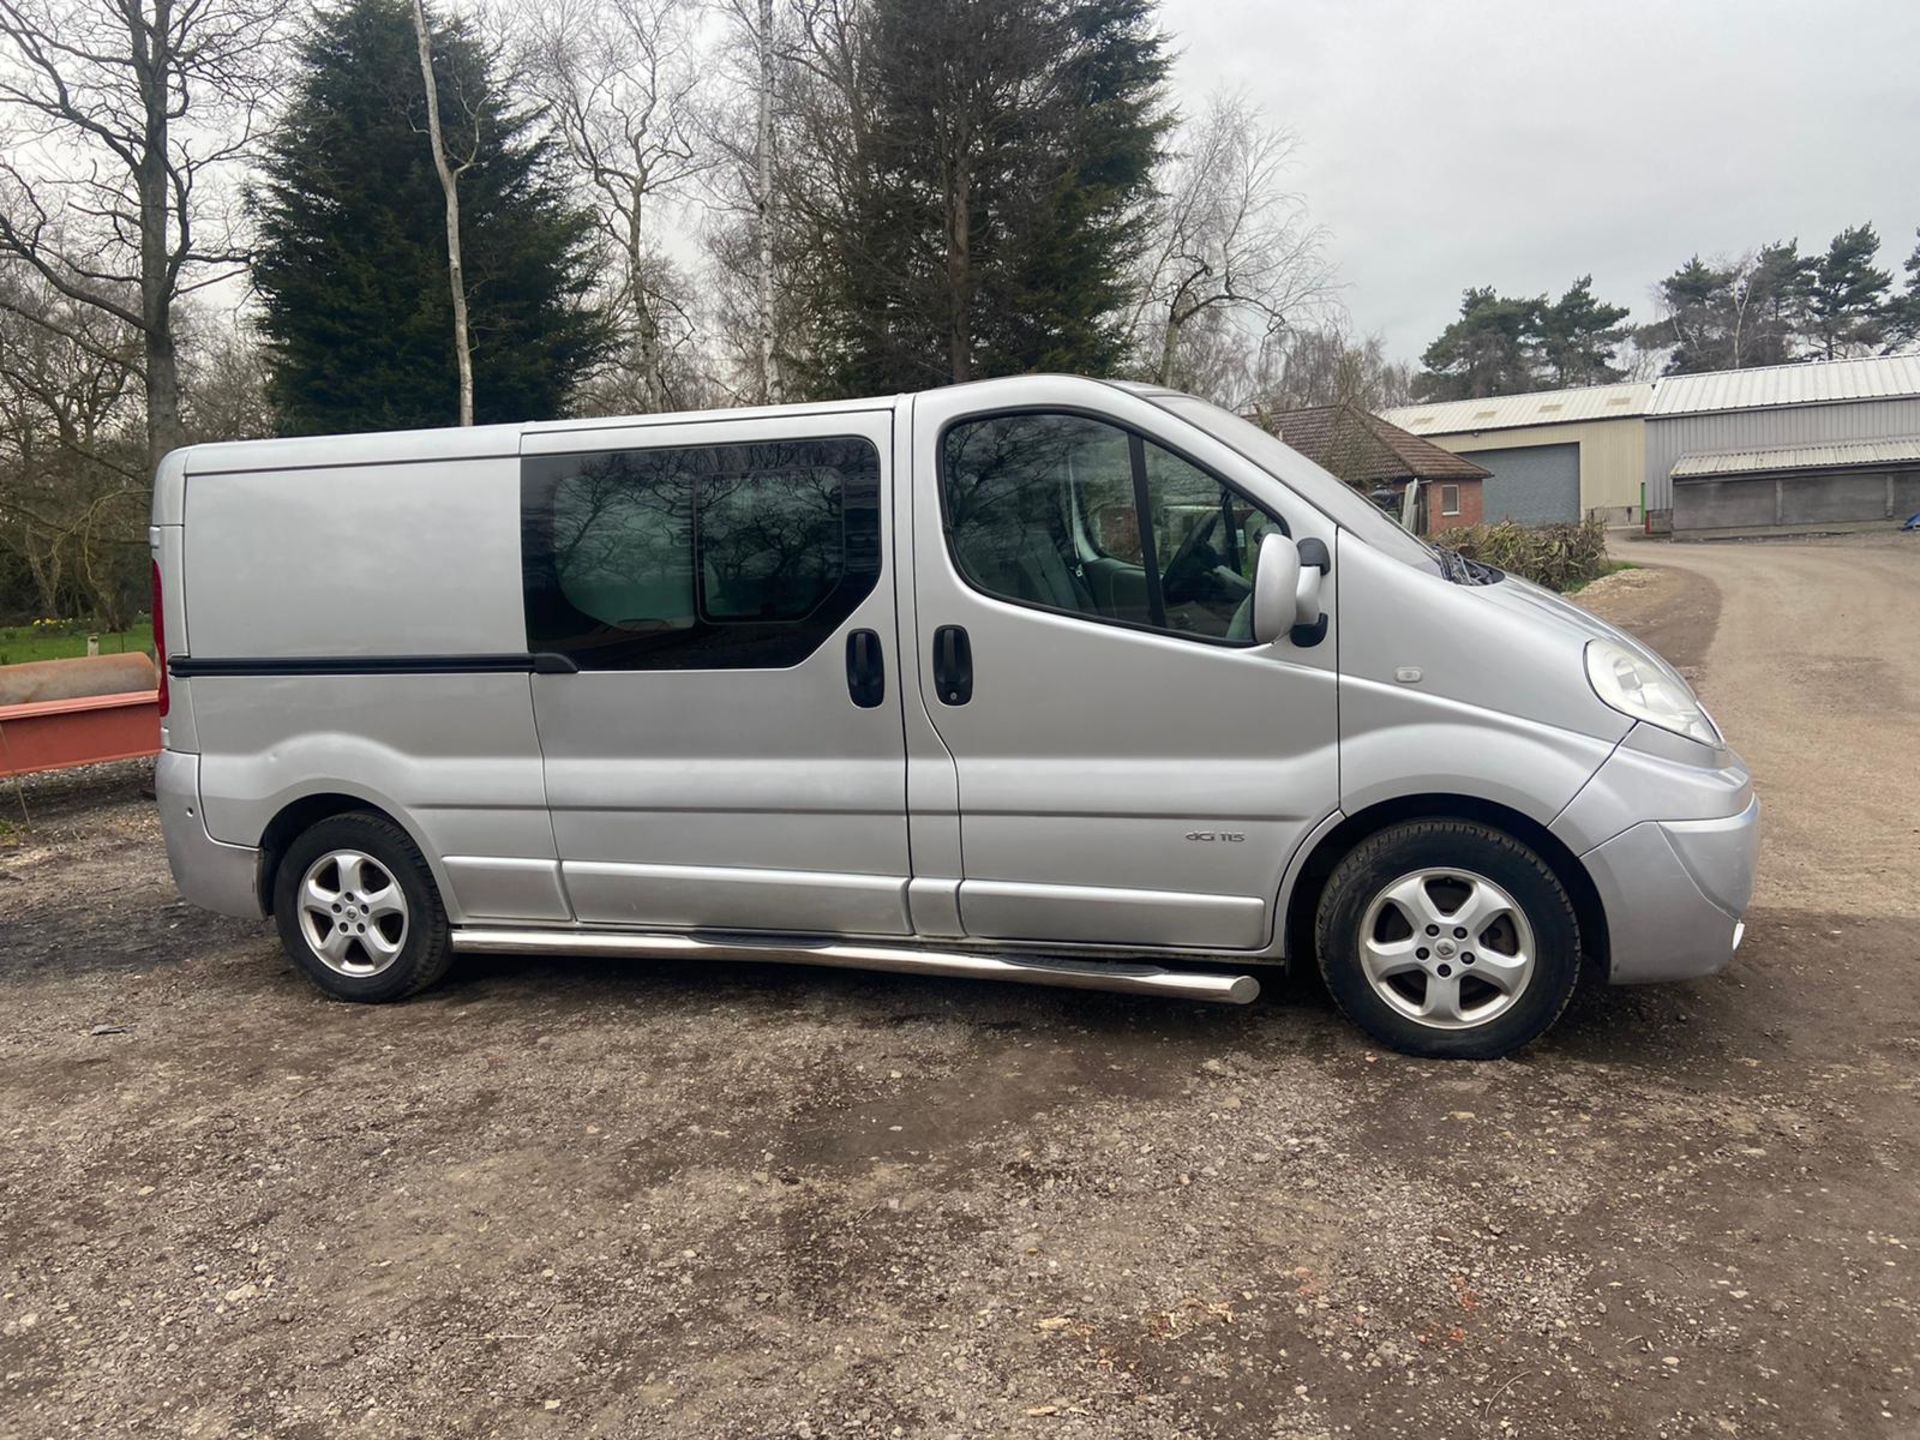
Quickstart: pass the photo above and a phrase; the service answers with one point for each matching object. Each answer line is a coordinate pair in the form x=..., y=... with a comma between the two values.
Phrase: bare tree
x=1229, y=243
x=120, y=117
x=618, y=80
x=73, y=482
x=224, y=376
x=1328, y=366
x=763, y=191
x=449, y=174
x=772, y=48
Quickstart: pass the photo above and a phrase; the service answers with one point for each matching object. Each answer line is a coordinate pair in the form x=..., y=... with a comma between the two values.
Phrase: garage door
x=1534, y=484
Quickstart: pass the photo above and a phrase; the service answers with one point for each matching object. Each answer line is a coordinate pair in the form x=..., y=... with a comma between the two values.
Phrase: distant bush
x=1560, y=557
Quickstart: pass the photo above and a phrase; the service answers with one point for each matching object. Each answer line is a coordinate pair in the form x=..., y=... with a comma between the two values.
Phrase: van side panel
x=405, y=559
x=416, y=559
x=1419, y=713
x=453, y=758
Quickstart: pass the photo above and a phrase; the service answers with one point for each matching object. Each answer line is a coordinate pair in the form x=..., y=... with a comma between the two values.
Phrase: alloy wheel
x=353, y=913
x=1447, y=948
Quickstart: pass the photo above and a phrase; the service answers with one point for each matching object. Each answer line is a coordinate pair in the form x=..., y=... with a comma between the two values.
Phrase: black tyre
x=358, y=910
x=1449, y=939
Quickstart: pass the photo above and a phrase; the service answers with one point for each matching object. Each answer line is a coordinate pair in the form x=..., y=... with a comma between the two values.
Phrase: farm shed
x=1551, y=455
x=1789, y=447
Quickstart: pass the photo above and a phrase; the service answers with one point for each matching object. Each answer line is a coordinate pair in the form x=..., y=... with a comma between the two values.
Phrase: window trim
x=1137, y=439
x=1446, y=509
x=1149, y=542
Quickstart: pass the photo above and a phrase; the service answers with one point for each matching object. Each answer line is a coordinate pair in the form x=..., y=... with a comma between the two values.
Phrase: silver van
x=1044, y=679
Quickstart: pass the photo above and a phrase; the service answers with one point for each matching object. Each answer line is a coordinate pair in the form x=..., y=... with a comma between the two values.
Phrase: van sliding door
x=729, y=754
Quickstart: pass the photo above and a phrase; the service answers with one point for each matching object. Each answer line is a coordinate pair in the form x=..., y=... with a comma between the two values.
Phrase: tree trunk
x=450, y=184
x=645, y=358
x=164, y=429
x=44, y=567
x=644, y=350
x=763, y=202
x=960, y=272
x=1169, y=346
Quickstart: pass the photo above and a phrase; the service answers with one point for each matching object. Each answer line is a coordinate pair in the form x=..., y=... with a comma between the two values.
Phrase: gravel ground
x=583, y=1198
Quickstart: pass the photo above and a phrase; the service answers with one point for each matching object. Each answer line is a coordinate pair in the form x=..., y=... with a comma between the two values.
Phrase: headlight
x=1641, y=687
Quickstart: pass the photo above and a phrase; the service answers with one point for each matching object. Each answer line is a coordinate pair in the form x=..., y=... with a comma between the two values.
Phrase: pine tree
x=1696, y=298
x=1847, y=296
x=1492, y=349
x=1903, y=327
x=353, y=260
x=992, y=194
x=1579, y=335
x=1773, y=308
x=1750, y=311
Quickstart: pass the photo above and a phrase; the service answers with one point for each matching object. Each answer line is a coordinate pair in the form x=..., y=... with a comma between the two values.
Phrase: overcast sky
x=1523, y=143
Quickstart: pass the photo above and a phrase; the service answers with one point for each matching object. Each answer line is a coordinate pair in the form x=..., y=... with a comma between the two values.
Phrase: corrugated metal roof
x=1839, y=454
x=1817, y=382
x=1511, y=412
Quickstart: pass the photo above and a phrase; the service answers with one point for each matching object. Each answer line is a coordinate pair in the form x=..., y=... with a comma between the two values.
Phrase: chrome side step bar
x=1125, y=978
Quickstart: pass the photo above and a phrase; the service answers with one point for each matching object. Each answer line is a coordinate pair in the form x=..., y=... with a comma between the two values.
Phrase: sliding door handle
x=866, y=669
x=952, y=665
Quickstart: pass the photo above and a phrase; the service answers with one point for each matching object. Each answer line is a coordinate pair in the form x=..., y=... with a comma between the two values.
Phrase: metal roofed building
x=1811, y=382
x=1730, y=452
x=1843, y=484
x=1779, y=448
x=1846, y=454
x=1550, y=455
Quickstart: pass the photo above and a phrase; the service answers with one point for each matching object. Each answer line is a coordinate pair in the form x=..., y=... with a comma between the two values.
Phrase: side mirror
x=1276, y=587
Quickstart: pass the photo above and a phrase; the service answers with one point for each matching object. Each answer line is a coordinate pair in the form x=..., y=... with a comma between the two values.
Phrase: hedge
x=1560, y=557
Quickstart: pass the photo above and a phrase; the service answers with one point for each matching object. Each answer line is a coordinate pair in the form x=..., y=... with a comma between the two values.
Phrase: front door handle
x=952, y=665
x=866, y=669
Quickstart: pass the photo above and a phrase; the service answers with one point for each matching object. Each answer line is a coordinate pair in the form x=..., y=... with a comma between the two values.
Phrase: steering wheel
x=1183, y=558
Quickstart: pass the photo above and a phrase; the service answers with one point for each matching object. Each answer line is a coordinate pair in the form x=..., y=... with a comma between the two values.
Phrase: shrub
x=1560, y=557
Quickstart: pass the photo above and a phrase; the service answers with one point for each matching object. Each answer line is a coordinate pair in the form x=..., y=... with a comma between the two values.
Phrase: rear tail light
x=160, y=640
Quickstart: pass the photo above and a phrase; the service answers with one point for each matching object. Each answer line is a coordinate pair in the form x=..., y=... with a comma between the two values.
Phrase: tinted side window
x=709, y=557
x=1205, y=537
x=1045, y=510
x=1020, y=489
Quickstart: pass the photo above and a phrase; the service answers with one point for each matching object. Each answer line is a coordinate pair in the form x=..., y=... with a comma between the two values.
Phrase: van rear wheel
x=1449, y=939
x=358, y=910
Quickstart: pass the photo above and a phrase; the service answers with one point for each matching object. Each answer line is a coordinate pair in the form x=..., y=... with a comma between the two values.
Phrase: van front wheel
x=358, y=910
x=1448, y=938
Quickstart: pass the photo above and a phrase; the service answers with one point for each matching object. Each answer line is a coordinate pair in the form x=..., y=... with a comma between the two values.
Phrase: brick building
x=1379, y=459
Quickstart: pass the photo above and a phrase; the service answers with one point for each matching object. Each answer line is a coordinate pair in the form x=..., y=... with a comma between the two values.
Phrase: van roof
x=483, y=442
x=452, y=442
x=487, y=441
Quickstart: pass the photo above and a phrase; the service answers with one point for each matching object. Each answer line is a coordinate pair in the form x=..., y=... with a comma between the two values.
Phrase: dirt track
x=584, y=1198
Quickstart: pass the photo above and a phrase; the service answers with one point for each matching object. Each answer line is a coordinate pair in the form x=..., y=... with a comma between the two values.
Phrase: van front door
x=729, y=753
x=1133, y=769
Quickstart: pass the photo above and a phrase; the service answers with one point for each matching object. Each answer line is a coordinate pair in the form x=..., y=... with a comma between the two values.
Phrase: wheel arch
x=298, y=816
x=1303, y=901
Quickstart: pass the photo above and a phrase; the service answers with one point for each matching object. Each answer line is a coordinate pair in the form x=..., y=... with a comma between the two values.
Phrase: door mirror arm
x=1309, y=620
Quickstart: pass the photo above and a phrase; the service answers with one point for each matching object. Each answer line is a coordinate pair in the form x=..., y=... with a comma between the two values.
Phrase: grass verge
x=22, y=643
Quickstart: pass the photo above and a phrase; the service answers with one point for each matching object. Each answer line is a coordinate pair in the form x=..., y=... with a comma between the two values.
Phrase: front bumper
x=209, y=872
x=1675, y=893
